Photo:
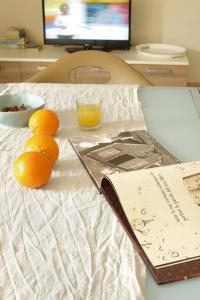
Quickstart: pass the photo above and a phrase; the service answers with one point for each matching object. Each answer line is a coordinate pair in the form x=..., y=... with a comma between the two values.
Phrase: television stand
x=17, y=65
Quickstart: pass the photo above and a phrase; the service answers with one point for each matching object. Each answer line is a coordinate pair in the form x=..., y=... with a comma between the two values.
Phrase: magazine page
x=128, y=151
x=162, y=206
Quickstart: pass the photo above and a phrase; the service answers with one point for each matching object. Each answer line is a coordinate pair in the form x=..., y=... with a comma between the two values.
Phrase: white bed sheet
x=63, y=241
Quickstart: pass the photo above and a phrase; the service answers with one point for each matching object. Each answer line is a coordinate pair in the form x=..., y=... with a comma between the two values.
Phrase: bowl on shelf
x=27, y=103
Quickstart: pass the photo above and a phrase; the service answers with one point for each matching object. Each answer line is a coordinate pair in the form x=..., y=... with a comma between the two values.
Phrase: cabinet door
x=164, y=75
x=30, y=68
x=90, y=74
x=10, y=72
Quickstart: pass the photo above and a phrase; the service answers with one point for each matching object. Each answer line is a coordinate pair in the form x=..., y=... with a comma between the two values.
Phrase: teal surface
x=183, y=290
x=172, y=118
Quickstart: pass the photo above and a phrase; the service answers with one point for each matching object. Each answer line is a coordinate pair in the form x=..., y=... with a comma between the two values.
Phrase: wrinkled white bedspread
x=63, y=241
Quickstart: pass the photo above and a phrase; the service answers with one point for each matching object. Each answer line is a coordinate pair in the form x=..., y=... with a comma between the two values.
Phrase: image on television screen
x=86, y=19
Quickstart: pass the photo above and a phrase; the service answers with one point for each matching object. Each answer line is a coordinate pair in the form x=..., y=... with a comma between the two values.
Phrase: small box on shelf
x=14, y=33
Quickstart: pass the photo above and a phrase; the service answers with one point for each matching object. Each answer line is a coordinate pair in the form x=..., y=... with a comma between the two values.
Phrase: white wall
x=147, y=21
x=22, y=13
x=167, y=21
x=181, y=25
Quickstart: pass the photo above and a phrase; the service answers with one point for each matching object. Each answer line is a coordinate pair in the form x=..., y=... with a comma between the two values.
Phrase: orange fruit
x=32, y=169
x=44, y=121
x=44, y=144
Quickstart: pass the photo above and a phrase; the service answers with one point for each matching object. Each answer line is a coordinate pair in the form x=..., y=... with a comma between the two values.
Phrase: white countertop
x=51, y=54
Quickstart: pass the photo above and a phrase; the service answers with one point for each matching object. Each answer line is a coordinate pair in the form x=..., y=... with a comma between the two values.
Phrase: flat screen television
x=90, y=24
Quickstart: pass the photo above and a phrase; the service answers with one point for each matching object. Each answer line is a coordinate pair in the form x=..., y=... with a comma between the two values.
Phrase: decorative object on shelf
x=32, y=46
x=160, y=50
x=15, y=38
x=14, y=33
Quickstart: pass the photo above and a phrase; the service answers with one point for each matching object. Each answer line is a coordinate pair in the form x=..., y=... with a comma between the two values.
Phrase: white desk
x=51, y=54
x=17, y=65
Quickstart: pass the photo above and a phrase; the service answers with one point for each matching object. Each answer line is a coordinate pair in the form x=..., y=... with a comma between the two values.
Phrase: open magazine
x=155, y=197
x=128, y=151
x=160, y=210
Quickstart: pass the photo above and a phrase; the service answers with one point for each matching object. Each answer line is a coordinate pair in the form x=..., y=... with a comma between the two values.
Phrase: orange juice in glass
x=88, y=113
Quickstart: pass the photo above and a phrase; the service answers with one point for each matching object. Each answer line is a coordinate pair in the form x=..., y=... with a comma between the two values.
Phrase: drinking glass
x=89, y=112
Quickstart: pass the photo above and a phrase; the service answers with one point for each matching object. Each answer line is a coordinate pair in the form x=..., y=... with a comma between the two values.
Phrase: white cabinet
x=19, y=65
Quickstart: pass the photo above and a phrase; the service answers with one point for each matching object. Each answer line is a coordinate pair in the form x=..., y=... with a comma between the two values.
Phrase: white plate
x=160, y=50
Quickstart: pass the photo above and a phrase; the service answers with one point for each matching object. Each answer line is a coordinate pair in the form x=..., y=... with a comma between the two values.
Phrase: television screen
x=103, y=23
